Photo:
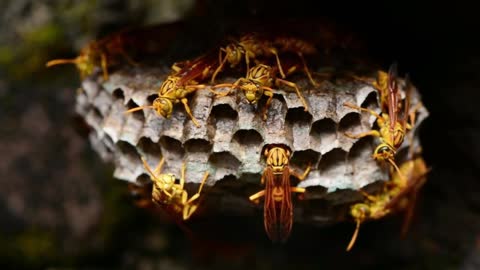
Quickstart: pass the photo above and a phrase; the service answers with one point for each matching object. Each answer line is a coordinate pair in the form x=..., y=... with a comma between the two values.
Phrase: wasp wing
x=278, y=212
x=199, y=68
x=392, y=96
x=415, y=182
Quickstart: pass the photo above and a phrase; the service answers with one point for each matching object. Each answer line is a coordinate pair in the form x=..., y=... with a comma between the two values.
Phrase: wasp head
x=252, y=91
x=277, y=158
x=384, y=152
x=234, y=54
x=360, y=211
x=163, y=106
x=160, y=184
x=382, y=79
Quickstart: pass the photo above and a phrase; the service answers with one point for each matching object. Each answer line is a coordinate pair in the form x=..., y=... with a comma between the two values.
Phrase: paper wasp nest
x=231, y=137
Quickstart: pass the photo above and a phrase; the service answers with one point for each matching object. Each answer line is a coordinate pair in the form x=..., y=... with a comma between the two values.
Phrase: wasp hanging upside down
x=399, y=195
x=391, y=130
x=168, y=194
x=255, y=45
x=180, y=84
x=259, y=81
x=278, y=209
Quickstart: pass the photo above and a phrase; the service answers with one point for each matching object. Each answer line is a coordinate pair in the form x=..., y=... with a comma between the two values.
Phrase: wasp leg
x=269, y=93
x=223, y=94
x=104, y=64
x=304, y=175
x=222, y=63
x=297, y=189
x=348, y=104
x=307, y=71
x=413, y=115
x=189, y=112
x=280, y=69
x=189, y=208
x=254, y=198
x=368, y=196
x=294, y=86
x=408, y=214
x=159, y=167
x=374, y=133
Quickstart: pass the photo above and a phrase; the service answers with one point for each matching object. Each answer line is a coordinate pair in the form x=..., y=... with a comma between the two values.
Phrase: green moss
x=6, y=55
x=43, y=36
x=31, y=248
x=35, y=245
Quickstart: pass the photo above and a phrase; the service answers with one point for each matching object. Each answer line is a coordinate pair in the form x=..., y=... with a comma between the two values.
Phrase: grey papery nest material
x=230, y=140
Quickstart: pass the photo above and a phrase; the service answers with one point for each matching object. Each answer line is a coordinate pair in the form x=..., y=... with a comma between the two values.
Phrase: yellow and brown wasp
x=391, y=130
x=106, y=52
x=168, y=194
x=259, y=82
x=399, y=195
x=184, y=81
x=256, y=45
x=101, y=53
x=278, y=209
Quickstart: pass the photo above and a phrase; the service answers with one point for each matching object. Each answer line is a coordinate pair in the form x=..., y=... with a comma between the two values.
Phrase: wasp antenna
x=139, y=108
x=354, y=236
x=61, y=61
x=393, y=70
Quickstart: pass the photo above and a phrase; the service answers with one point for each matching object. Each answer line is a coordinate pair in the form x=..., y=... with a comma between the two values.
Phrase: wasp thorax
x=163, y=107
x=163, y=182
x=382, y=79
x=260, y=71
x=169, y=84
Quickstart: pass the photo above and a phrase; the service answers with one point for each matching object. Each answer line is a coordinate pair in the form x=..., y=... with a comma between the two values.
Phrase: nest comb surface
x=232, y=135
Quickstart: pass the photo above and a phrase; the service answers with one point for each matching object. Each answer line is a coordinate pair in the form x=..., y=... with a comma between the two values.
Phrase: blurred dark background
x=60, y=207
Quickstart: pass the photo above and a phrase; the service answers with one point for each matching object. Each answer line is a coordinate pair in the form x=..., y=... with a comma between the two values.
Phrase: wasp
x=101, y=53
x=183, y=81
x=400, y=194
x=380, y=84
x=255, y=45
x=259, y=82
x=278, y=209
x=391, y=130
x=168, y=193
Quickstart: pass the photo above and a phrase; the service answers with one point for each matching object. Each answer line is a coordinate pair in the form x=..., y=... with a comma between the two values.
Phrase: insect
x=102, y=53
x=182, y=82
x=399, y=194
x=300, y=47
x=248, y=46
x=380, y=84
x=166, y=192
x=391, y=130
x=278, y=210
x=255, y=45
x=258, y=82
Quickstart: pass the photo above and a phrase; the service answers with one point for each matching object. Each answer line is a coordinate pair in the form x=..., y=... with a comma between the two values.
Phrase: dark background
x=61, y=208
